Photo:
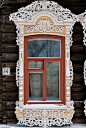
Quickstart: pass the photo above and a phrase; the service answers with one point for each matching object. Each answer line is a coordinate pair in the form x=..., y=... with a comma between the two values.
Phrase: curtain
x=52, y=82
x=35, y=86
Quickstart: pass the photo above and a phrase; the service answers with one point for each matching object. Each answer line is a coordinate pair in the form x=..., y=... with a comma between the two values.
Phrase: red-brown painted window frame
x=26, y=70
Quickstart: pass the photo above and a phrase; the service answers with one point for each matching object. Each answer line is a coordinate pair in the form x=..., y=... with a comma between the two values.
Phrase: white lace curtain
x=52, y=82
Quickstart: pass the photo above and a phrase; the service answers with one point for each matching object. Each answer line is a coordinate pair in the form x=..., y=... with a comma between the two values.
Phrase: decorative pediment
x=44, y=26
x=28, y=12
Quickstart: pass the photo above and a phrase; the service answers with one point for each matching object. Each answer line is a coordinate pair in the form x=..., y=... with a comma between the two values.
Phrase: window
x=44, y=69
x=44, y=72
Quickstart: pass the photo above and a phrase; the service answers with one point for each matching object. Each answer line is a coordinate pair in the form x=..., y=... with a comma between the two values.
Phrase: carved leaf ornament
x=46, y=17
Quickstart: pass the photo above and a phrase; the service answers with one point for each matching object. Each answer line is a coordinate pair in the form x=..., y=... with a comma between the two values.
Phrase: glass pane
x=35, y=64
x=53, y=80
x=35, y=86
x=44, y=47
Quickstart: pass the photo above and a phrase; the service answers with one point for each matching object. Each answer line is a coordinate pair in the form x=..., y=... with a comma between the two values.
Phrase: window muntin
x=61, y=98
x=44, y=47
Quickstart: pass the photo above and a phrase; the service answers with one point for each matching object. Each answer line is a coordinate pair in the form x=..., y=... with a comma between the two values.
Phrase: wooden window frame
x=27, y=70
x=45, y=22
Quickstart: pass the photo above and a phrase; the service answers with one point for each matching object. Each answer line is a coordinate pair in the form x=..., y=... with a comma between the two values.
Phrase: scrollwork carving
x=44, y=122
x=82, y=17
x=44, y=113
x=17, y=31
x=27, y=13
x=44, y=26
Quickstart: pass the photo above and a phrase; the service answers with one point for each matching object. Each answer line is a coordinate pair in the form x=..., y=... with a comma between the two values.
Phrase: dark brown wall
x=78, y=89
x=9, y=57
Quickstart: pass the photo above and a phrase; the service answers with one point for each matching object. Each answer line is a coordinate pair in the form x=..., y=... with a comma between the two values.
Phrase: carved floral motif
x=44, y=26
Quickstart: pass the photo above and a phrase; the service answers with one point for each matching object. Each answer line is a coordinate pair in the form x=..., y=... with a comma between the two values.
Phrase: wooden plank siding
x=78, y=90
x=9, y=55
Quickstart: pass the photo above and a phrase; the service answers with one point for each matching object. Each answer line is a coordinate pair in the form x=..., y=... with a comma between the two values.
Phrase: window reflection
x=44, y=48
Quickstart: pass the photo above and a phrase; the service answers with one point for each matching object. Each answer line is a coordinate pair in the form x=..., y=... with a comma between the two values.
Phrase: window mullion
x=44, y=81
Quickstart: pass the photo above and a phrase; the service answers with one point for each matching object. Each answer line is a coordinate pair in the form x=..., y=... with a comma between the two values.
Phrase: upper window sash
x=44, y=48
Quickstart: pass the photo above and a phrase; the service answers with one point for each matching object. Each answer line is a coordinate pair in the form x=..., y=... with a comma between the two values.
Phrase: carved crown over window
x=28, y=13
x=45, y=17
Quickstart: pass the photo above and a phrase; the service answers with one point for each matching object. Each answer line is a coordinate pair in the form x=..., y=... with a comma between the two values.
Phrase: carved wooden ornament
x=44, y=17
x=82, y=20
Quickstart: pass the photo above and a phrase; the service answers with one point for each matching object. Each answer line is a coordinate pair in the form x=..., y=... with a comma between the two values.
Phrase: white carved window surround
x=45, y=18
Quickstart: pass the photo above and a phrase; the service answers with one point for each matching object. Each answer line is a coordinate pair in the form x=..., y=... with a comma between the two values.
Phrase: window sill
x=44, y=101
x=44, y=106
x=57, y=102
